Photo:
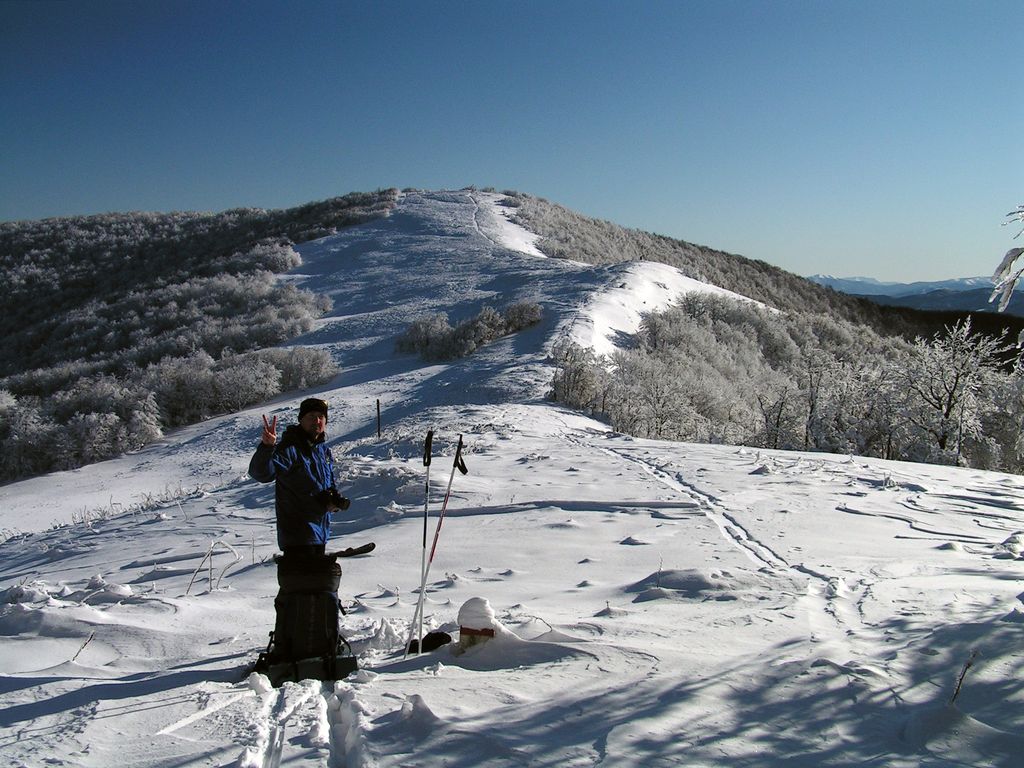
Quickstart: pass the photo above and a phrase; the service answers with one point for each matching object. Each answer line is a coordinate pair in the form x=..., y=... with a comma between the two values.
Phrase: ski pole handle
x=459, y=463
x=426, y=447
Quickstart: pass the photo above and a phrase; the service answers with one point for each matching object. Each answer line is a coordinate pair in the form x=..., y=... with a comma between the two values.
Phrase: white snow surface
x=659, y=604
x=496, y=222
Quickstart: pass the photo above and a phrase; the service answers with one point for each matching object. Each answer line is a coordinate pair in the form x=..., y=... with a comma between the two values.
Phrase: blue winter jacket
x=301, y=469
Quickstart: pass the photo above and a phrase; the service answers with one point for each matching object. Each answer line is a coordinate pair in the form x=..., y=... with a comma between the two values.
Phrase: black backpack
x=306, y=642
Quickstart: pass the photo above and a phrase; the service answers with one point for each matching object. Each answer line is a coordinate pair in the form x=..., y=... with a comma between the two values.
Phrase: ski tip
x=365, y=549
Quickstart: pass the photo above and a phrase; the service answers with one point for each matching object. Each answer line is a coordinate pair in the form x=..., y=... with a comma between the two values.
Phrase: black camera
x=331, y=497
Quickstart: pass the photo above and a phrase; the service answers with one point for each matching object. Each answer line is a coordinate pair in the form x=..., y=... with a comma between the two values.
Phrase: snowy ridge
x=495, y=220
x=613, y=314
x=655, y=603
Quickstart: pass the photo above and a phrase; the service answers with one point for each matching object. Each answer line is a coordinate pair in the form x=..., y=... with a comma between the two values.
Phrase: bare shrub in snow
x=424, y=335
x=434, y=339
x=522, y=315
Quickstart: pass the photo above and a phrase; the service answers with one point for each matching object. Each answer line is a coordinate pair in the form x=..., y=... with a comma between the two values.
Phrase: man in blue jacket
x=302, y=469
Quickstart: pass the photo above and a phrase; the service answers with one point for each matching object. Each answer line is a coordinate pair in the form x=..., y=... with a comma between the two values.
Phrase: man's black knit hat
x=312, y=404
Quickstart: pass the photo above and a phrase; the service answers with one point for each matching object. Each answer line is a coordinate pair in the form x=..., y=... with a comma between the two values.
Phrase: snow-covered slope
x=657, y=603
x=610, y=316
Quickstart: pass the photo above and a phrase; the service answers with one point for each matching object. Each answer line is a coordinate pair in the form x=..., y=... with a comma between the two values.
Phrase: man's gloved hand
x=330, y=498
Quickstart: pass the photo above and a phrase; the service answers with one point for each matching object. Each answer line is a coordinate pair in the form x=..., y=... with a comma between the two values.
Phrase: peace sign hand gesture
x=269, y=431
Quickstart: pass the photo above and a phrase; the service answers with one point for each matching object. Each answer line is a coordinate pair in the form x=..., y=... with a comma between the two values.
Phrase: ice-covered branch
x=1005, y=277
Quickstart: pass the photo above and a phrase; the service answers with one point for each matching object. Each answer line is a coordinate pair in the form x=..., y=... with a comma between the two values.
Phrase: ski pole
x=423, y=556
x=461, y=466
x=418, y=617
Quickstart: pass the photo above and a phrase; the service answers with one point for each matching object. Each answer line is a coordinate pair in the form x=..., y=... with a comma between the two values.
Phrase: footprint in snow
x=384, y=592
x=570, y=523
x=634, y=542
x=450, y=580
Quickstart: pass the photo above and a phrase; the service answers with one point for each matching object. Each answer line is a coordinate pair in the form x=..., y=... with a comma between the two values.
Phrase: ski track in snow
x=476, y=222
x=827, y=596
x=660, y=604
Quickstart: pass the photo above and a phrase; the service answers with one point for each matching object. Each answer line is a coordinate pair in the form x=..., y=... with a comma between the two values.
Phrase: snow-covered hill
x=665, y=604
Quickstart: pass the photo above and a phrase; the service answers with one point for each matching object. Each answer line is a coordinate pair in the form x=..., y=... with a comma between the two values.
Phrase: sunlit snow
x=655, y=604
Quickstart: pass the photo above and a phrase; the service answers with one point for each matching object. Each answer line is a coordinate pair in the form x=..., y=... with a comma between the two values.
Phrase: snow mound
x=952, y=735
x=567, y=524
x=417, y=716
x=260, y=684
x=1012, y=547
x=611, y=613
x=477, y=613
x=691, y=584
x=32, y=592
x=506, y=650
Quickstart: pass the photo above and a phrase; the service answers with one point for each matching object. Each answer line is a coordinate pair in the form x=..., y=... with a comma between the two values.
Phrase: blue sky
x=852, y=138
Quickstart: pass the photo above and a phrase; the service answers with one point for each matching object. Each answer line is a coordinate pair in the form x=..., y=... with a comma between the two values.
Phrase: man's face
x=313, y=423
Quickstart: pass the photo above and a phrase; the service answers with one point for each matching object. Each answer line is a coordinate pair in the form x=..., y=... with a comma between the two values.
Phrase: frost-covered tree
x=27, y=436
x=658, y=394
x=242, y=381
x=942, y=382
x=1001, y=445
x=434, y=339
x=818, y=371
x=578, y=377
x=487, y=326
x=720, y=370
x=779, y=402
x=425, y=336
x=120, y=324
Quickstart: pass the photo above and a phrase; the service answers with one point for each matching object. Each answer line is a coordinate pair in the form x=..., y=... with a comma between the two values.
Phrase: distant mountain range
x=868, y=286
x=963, y=294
